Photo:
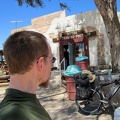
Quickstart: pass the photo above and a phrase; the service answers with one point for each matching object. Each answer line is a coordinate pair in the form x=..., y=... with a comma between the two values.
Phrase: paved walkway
x=56, y=102
x=60, y=107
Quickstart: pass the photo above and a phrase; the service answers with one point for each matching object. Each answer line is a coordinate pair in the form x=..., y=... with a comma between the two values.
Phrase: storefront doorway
x=73, y=44
x=68, y=54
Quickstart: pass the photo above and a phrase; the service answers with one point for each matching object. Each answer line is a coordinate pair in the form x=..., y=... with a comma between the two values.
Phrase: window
x=80, y=49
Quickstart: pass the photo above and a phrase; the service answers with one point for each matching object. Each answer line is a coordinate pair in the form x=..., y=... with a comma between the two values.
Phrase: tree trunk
x=108, y=11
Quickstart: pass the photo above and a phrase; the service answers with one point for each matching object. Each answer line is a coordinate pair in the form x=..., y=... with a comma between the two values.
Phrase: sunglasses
x=53, y=58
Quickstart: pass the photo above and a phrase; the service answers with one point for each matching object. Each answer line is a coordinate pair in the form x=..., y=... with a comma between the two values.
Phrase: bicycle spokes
x=90, y=106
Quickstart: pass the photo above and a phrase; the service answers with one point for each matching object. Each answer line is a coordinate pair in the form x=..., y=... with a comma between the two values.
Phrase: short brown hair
x=21, y=49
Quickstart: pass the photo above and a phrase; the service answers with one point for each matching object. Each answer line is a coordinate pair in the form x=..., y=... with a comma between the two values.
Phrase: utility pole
x=16, y=23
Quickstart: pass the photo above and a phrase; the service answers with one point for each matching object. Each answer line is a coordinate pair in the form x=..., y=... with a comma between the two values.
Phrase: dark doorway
x=66, y=55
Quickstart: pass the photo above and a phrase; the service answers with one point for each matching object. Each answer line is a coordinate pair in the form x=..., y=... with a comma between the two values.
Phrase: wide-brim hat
x=89, y=75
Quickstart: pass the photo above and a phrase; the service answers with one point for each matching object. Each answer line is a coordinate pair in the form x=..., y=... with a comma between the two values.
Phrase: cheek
x=50, y=66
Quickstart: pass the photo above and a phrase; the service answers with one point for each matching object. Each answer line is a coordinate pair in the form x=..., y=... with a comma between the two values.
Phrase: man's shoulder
x=12, y=112
x=16, y=111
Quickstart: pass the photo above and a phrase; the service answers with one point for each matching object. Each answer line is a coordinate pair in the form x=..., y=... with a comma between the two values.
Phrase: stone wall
x=43, y=23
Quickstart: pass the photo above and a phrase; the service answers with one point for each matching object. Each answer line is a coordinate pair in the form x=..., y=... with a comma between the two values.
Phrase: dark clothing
x=18, y=105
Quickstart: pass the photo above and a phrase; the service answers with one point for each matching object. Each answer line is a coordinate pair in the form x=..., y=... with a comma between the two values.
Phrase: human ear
x=40, y=62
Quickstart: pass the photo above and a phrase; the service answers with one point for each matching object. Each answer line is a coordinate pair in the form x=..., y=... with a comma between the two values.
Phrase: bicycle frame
x=111, y=94
x=114, y=92
x=99, y=97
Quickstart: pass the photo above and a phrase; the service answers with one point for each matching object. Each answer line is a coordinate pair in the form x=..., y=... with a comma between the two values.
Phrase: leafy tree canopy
x=40, y=3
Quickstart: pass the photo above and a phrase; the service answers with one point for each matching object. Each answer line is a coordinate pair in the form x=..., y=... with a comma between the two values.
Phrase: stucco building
x=74, y=36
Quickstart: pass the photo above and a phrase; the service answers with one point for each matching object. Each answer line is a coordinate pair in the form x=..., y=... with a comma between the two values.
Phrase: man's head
x=24, y=49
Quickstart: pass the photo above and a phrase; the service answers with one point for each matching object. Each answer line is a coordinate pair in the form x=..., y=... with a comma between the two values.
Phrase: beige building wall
x=99, y=50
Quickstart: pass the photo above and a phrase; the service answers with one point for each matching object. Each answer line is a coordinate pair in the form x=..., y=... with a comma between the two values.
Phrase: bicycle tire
x=91, y=105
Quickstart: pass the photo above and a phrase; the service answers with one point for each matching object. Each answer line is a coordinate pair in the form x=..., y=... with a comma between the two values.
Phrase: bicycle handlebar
x=116, y=81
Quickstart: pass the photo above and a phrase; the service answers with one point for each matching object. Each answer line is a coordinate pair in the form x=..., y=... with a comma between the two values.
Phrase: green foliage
x=64, y=6
x=39, y=3
x=32, y=3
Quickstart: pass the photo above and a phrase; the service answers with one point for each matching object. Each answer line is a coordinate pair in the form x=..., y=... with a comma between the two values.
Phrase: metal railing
x=63, y=61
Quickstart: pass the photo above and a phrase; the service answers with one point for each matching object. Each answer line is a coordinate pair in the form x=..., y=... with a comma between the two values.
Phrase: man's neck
x=25, y=83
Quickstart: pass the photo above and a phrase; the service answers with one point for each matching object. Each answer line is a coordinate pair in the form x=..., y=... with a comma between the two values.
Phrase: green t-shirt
x=18, y=105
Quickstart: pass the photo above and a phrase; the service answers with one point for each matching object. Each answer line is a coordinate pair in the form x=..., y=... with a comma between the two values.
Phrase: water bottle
x=109, y=73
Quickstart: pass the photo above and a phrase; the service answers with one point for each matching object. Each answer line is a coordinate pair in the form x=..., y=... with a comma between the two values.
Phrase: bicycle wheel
x=91, y=105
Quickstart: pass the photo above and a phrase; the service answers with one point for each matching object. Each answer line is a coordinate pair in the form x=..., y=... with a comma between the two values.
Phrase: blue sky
x=10, y=11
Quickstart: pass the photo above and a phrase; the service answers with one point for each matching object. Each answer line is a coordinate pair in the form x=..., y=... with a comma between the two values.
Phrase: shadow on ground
x=59, y=107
